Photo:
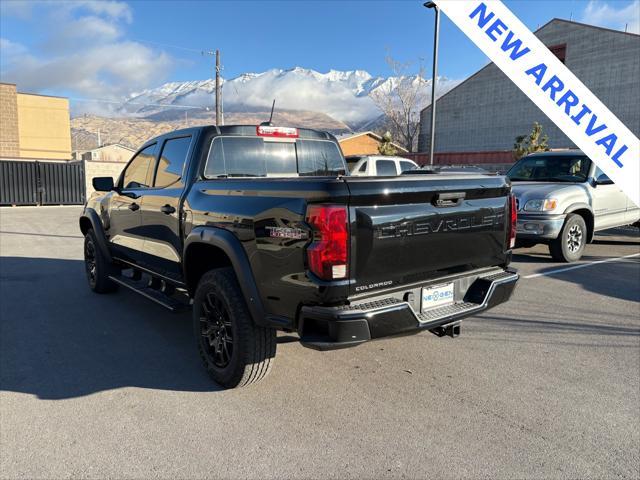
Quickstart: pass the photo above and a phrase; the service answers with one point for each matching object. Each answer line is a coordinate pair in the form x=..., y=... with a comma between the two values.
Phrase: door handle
x=134, y=206
x=168, y=209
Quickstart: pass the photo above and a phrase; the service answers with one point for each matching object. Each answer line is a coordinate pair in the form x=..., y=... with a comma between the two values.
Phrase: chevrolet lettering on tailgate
x=423, y=227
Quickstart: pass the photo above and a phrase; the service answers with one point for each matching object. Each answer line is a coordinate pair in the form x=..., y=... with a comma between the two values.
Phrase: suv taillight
x=513, y=221
x=328, y=254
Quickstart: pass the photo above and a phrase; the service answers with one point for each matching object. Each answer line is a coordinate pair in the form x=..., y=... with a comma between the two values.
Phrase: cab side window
x=171, y=162
x=138, y=172
x=386, y=168
x=405, y=166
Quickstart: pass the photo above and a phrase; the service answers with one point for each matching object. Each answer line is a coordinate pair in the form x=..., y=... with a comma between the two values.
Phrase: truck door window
x=171, y=162
x=363, y=168
x=386, y=168
x=138, y=172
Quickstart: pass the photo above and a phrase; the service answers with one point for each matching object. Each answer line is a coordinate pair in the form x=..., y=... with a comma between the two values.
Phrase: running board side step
x=171, y=304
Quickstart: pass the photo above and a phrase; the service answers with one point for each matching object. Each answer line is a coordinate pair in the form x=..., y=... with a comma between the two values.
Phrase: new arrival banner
x=552, y=87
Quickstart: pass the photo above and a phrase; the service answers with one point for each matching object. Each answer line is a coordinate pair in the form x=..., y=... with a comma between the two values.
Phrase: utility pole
x=218, y=92
x=434, y=76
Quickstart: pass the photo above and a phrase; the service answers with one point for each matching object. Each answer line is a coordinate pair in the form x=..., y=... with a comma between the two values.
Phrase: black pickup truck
x=261, y=228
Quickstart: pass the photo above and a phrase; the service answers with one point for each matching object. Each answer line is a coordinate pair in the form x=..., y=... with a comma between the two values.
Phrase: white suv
x=379, y=165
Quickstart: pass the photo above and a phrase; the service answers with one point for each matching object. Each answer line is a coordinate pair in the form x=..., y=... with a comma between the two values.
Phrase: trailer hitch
x=450, y=329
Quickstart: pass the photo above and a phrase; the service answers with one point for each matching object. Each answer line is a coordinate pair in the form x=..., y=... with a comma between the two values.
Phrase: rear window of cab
x=259, y=157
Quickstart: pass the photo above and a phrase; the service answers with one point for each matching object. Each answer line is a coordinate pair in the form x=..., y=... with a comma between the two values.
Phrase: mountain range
x=336, y=101
x=343, y=95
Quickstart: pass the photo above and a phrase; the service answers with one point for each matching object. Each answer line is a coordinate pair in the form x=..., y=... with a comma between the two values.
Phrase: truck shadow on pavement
x=59, y=340
x=524, y=256
x=552, y=327
x=619, y=279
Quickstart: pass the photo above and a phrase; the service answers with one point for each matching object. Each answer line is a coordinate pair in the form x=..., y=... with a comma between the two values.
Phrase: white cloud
x=84, y=53
x=114, y=10
x=24, y=8
x=614, y=16
x=89, y=30
x=10, y=50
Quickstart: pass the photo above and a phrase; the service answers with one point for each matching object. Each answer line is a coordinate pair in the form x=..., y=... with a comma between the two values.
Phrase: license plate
x=433, y=297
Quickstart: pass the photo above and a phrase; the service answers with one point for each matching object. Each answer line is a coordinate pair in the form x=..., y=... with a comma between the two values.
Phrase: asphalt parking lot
x=91, y=386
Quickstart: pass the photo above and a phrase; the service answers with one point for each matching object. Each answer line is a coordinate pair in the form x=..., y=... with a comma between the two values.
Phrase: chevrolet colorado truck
x=260, y=228
x=563, y=199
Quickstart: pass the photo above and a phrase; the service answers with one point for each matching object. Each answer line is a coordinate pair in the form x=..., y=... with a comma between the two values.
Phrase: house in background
x=33, y=127
x=363, y=143
x=478, y=121
x=109, y=153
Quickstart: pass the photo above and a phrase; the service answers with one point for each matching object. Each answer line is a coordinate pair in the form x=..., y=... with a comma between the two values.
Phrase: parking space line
x=582, y=265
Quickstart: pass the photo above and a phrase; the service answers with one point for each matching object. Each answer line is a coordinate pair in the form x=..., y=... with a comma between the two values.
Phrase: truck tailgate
x=423, y=227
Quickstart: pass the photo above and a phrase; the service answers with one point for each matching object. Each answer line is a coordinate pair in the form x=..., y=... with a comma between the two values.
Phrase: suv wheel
x=98, y=268
x=569, y=245
x=235, y=351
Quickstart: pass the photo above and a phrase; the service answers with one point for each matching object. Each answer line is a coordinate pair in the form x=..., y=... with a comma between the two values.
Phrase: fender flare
x=96, y=225
x=231, y=246
x=578, y=206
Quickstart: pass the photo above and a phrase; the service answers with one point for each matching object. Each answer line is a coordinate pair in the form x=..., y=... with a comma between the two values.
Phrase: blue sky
x=108, y=49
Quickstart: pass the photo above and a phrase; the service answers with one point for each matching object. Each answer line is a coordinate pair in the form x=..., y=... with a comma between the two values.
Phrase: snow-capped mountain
x=343, y=95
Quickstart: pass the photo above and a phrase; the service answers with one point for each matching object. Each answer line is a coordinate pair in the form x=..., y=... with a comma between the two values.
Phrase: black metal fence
x=41, y=183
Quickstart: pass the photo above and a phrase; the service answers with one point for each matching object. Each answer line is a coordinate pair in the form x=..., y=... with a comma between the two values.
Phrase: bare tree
x=401, y=101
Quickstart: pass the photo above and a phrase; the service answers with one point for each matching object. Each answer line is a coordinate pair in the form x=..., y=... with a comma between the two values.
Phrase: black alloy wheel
x=234, y=350
x=90, y=262
x=216, y=332
x=97, y=267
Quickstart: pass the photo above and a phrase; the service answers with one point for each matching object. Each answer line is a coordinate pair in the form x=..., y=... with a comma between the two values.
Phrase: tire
x=569, y=246
x=219, y=309
x=97, y=267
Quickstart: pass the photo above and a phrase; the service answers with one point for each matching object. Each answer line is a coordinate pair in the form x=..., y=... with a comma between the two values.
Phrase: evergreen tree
x=386, y=146
x=534, y=142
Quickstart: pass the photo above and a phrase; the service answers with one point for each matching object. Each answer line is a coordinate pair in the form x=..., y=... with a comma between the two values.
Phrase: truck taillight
x=280, y=132
x=513, y=221
x=328, y=255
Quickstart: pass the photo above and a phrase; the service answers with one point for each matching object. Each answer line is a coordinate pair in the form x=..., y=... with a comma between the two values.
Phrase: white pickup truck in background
x=379, y=165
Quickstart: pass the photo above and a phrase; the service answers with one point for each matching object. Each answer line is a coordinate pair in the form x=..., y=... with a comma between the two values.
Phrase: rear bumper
x=328, y=328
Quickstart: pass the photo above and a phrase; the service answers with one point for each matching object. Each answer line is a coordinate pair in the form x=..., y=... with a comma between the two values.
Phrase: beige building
x=33, y=127
x=363, y=143
x=109, y=153
x=105, y=161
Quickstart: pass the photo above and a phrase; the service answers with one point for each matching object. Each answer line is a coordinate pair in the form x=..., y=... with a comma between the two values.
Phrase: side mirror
x=102, y=184
x=603, y=180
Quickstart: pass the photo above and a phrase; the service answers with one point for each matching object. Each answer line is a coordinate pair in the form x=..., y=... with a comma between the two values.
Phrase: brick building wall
x=362, y=145
x=488, y=111
x=9, y=136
